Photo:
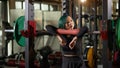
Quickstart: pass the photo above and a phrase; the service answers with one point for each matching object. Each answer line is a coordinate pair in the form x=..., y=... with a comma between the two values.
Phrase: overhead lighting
x=82, y=1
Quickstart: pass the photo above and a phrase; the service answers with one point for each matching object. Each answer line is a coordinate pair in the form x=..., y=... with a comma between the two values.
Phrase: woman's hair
x=62, y=21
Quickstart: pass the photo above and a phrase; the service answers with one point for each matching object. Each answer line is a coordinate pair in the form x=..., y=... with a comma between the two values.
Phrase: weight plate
x=90, y=58
x=19, y=25
x=110, y=29
x=85, y=53
x=118, y=33
x=115, y=57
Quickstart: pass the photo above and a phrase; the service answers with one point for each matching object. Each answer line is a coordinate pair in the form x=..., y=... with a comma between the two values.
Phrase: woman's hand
x=63, y=43
x=73, y=42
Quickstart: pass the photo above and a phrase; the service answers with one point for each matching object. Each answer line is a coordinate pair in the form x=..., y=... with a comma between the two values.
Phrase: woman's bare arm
x=61, y=41
x=73, y=42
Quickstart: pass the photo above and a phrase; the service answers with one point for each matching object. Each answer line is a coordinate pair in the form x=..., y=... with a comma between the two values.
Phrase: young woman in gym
x=70, y=44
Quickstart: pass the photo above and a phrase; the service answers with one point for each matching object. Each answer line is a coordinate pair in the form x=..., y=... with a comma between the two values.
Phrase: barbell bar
x=20, y=33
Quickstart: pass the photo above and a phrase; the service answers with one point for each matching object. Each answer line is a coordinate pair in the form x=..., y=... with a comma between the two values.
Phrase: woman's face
x=69, y=23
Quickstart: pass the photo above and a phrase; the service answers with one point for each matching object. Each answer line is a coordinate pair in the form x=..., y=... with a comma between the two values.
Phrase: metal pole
x=104, y=42
x=106, y=14
x=26, y=27
x=63, y=7
x=119, y=8
x=79, y=15
x=4, y=11
x=95, y=36
x=29, y=15
x=4, y=16
x=66, y=7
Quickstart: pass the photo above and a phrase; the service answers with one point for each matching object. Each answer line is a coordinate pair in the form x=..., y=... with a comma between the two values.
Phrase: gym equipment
x=45, y=51
x=118, y=32
x=58, y=56
x=104, y=35
x=2, y=60
x=11, y=62
x=52, y=59
x=55, y=58
x=85, y=56
x=88, y=56
x=16, y=60
x=110, y=34
x=19, y=25
x=9, y=35
x=20, y=64
x=44, y=61
x=20, y=34
x=116, y=58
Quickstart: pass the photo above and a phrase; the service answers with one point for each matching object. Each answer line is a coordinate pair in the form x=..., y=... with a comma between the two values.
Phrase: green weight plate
x=113, y=24
x=19, y=25
x=118, y=33
x=110, y=29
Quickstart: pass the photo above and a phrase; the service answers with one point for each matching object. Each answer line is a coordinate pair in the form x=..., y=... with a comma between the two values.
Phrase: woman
x=70, y=44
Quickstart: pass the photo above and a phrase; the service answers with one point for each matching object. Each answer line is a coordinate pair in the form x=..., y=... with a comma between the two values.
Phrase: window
x=18, y=5
x=51, y=8
x=44, y=6
x=36, y=6
x=23, y=5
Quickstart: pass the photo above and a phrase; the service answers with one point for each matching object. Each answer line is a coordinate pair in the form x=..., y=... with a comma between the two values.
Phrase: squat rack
x=106, y=14
x=106, y=5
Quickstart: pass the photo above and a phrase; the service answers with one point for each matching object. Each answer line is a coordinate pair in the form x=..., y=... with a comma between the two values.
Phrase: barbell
x=20, y=34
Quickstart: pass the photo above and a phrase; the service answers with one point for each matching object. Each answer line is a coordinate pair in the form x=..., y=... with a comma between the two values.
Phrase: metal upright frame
x=4, y=16
x=67, y=7
x=29, y=15
x=106, y=14
x=95, y=36
x=119, y=8
x=64, y=11
x=79, y=14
